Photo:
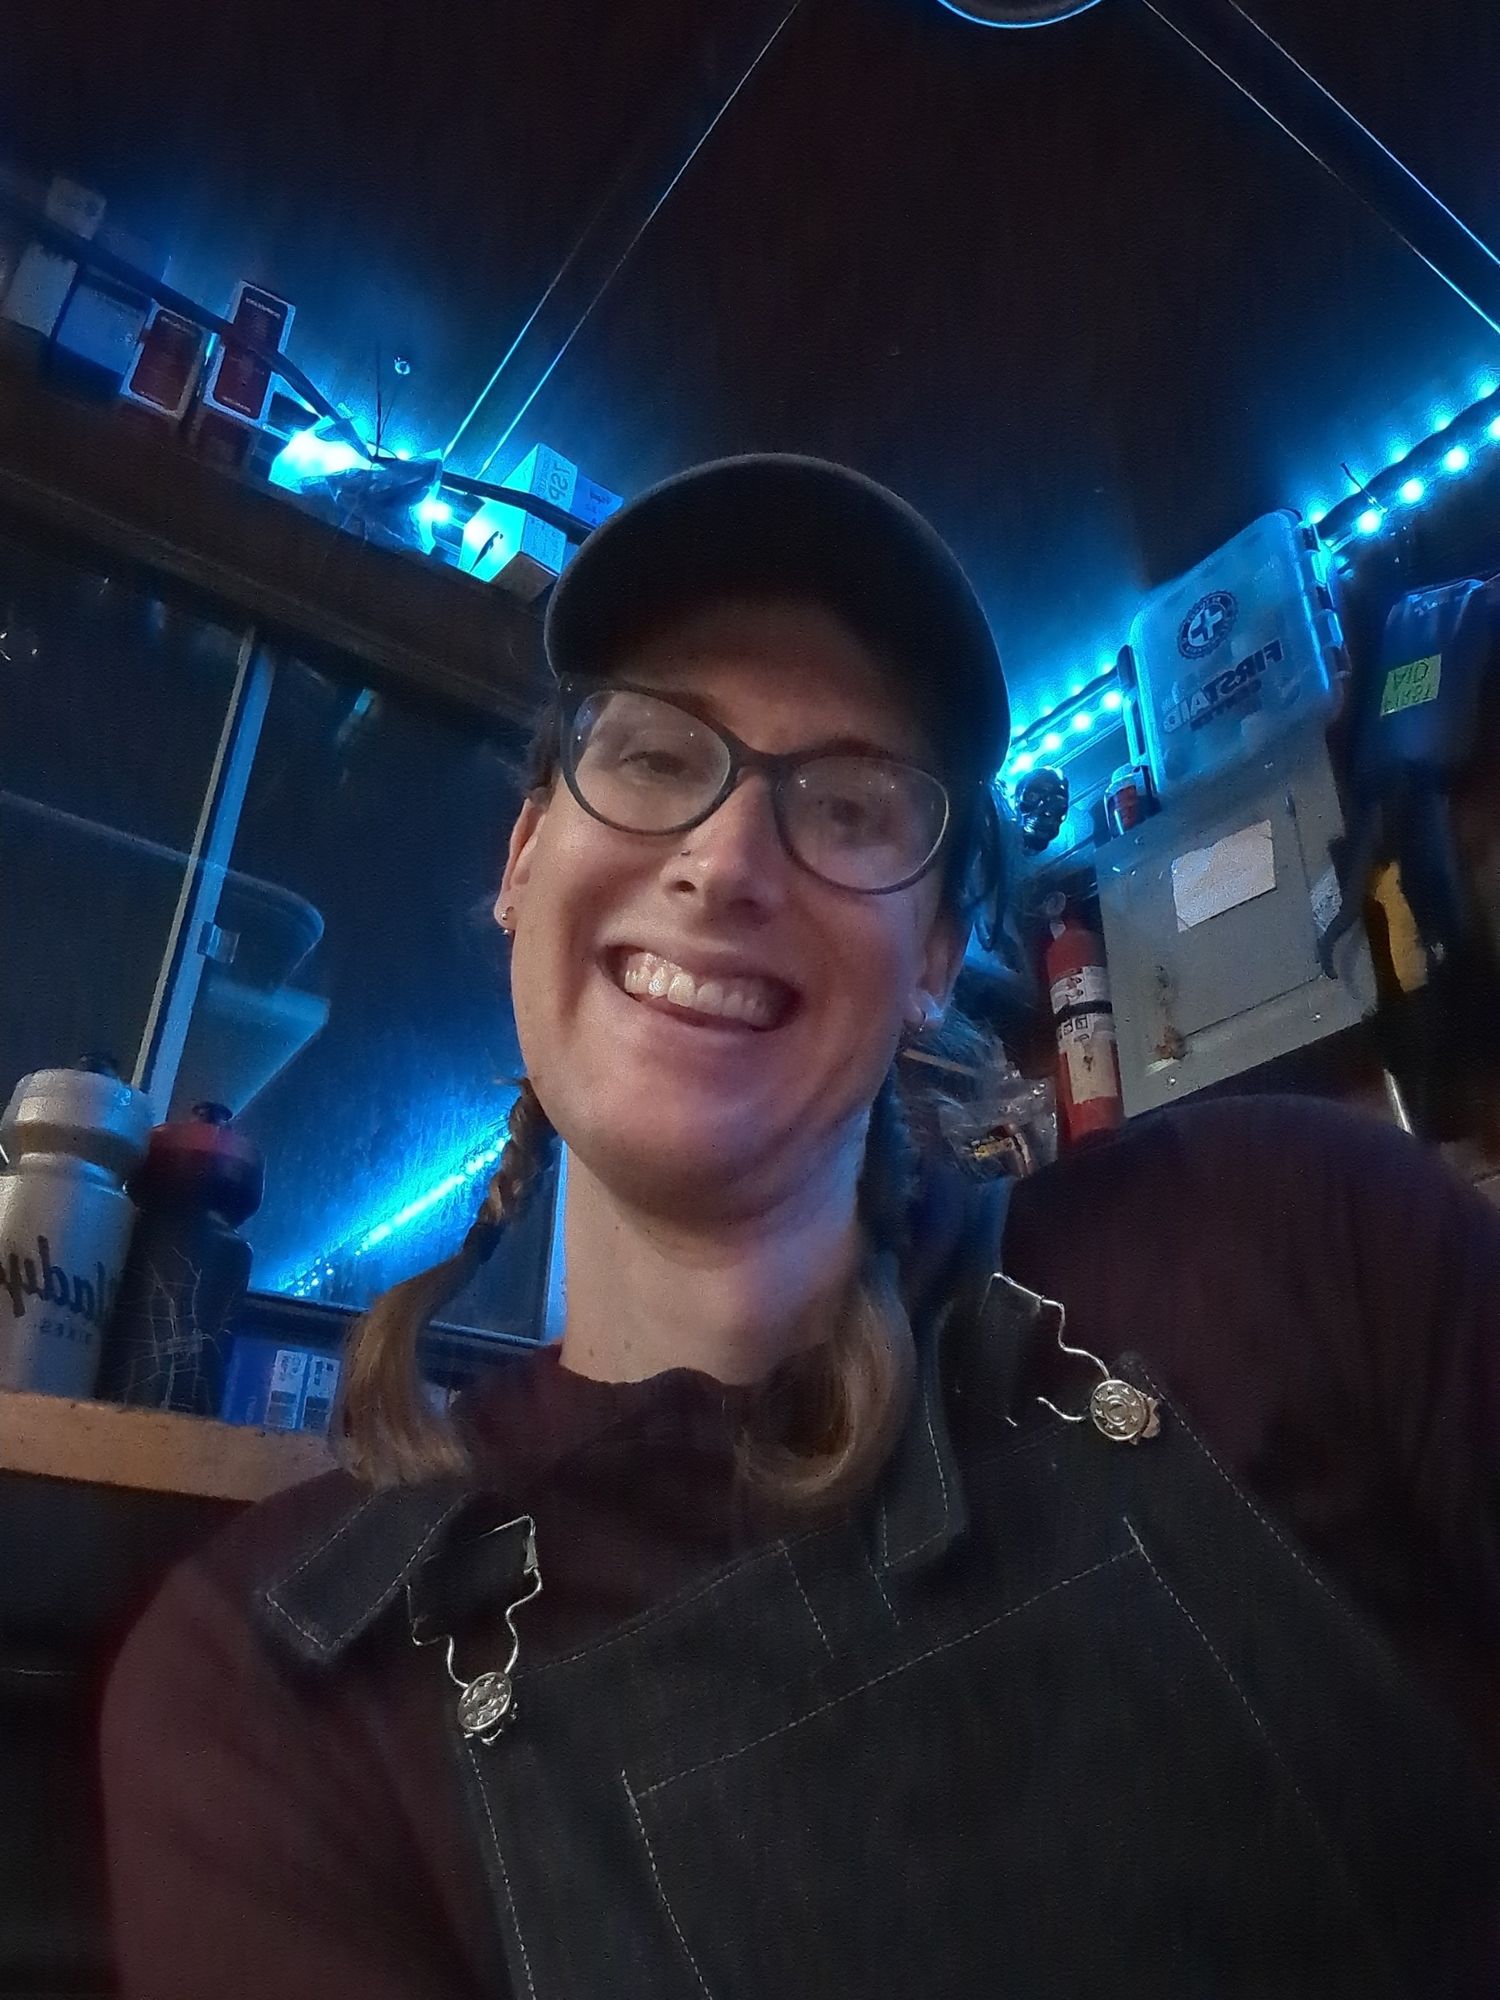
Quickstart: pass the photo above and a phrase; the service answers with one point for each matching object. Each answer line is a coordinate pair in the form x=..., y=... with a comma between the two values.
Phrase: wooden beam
x=152, y=1451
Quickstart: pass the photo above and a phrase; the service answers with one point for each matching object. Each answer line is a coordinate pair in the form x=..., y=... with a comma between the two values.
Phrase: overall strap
x=920, y=1507
x=344, y=1577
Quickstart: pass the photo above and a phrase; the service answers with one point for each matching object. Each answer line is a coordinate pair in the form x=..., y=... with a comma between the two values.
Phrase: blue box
x=279, y=1387
x=512, y=547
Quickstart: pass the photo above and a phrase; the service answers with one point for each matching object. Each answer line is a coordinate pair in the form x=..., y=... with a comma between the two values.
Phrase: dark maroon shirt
x=1316, y=1291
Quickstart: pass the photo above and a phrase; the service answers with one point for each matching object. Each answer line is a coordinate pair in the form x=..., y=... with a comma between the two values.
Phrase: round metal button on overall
x=1123, y=1412
x=484, y=1704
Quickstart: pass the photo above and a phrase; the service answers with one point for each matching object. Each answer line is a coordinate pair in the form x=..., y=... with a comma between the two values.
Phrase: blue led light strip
x=482, y=1159
x=1093, y=708
x=1456, y=445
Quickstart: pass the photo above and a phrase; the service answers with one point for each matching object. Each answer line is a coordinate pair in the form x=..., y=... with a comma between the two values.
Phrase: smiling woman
x=746, y=868
x=820, y=1617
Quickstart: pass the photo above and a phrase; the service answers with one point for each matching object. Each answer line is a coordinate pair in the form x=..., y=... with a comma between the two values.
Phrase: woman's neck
x=732, y=1299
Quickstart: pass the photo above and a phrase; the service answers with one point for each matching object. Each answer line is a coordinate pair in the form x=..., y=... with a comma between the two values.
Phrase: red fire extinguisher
x=1088, y=1066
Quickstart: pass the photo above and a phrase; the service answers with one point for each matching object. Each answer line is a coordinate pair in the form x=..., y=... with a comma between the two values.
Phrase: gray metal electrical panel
x=1212, y=913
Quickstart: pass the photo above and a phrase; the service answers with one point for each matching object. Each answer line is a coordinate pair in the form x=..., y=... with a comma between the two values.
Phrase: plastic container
x=185, y=1280
x=70, y=1136
x=1235, y=654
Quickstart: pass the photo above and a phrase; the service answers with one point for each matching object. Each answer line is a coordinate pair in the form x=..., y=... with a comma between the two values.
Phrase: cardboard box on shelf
x=43, y=277
x=236, y=385
x=507, y=545
x=168, y=366
x=99, y=332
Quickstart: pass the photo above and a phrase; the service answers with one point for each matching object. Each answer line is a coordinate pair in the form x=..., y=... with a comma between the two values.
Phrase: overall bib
x=1056, y=1712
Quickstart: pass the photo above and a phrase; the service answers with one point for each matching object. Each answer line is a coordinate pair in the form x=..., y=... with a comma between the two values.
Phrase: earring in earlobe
x=923, y=1014
x=508, y=920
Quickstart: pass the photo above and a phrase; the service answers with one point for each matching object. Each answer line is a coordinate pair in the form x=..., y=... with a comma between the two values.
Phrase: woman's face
x=694, y=1112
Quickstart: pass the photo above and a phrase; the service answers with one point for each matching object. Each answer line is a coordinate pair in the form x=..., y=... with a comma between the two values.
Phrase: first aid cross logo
x=1210, y=621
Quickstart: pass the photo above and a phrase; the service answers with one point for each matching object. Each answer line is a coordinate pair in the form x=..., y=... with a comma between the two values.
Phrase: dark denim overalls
x=1054, y=1714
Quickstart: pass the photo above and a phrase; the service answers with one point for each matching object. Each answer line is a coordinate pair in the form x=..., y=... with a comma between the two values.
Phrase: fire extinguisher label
x=1088, y=986
x=1087, y=1046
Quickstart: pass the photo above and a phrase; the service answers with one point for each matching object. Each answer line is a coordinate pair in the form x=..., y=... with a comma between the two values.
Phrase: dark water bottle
x=185, y=1279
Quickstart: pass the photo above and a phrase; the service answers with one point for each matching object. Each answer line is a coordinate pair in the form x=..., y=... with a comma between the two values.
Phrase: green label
x=1411, y=685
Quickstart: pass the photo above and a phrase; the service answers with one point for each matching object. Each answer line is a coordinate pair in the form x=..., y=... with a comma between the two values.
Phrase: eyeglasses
x=853, y=818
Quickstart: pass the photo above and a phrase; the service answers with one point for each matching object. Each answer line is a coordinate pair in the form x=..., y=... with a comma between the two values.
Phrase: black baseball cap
x=804, y=527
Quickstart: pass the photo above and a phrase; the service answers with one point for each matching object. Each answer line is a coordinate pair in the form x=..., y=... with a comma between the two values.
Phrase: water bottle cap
x=79, y=1111
x=203, y=1160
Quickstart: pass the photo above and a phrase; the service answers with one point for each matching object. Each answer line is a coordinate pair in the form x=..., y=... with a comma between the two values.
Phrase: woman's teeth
x=756, y=1002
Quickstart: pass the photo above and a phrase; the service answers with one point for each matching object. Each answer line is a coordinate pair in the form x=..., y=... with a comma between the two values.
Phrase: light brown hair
x=826, y=1419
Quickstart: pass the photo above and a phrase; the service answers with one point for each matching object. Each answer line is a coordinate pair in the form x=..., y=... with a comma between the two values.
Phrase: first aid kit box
x=1234, y=655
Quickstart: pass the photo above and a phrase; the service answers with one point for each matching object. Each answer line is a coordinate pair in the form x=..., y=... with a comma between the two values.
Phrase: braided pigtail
x=389, y=1434
x=832, y=1414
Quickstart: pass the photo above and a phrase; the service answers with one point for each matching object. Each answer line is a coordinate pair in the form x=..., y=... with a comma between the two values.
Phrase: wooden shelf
x=154, y=1451
x=106, y=475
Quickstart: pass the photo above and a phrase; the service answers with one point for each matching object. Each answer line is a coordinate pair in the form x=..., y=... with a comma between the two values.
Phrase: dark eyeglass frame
x=778, y=768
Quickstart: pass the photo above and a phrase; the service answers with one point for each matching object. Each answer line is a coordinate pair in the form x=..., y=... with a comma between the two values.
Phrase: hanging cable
x=1350, y=186
x=614, y=270
x=531, y=318
x=1360, y=126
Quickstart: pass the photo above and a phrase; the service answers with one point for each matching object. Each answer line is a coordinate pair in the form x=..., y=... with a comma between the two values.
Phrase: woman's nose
x=736, y=854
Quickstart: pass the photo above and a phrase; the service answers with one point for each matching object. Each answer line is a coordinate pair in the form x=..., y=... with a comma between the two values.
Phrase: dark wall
x=1064, y=287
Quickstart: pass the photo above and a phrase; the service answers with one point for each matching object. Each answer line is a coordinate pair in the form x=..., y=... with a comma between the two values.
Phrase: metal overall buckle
x=486, y=1705
x=1117, y=1409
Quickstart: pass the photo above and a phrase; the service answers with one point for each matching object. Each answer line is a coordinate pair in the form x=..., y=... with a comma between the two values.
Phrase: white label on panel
x=1210, y=880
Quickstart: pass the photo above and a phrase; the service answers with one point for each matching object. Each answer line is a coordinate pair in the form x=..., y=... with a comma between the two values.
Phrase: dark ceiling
x=1063, y=288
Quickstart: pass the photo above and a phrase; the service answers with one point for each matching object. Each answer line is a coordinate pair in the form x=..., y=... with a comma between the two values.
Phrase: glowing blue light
x=1441, y=419
x=433, y=511
x=1396, y=450
x=1083, y=720
x=1114, y=701
x=450, y=1184
x=1023, y=763
x=1485, y=387
x=403, y=451
x=1052, y=742
x=1412, y=491
x=1076, y=689
x=1456, y=460
x=1317, y=515
x=1369, y=522
x=306, y=457
x=1492, y=429
x=311, y=1277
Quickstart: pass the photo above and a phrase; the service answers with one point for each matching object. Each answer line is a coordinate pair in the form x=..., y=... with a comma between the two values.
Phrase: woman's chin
x=678, y=1164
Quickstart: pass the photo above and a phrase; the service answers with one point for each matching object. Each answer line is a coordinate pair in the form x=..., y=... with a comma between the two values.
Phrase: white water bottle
x=70, y=1137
